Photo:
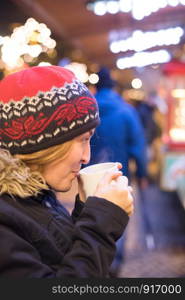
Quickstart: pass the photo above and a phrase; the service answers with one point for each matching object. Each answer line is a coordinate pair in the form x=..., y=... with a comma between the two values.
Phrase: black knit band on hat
x=44, y=106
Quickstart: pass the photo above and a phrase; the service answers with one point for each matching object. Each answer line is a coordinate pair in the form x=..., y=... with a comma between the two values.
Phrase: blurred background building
x=143, y=45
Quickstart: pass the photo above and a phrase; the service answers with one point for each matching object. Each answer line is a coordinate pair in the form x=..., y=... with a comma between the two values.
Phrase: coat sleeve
x=92, y=250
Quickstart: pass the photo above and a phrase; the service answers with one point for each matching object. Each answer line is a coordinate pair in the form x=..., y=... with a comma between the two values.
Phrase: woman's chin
x=63, y=188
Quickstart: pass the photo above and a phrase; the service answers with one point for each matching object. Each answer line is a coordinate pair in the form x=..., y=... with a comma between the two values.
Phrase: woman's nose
x=86, y=154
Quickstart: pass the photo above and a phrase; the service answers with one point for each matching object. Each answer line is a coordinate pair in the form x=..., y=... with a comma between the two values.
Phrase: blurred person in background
x=151, y=114
x=146, y=114
x=119, y=137
x=47, y=120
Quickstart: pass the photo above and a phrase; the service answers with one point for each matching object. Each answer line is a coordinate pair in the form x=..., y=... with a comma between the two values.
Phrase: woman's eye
x=86, y=139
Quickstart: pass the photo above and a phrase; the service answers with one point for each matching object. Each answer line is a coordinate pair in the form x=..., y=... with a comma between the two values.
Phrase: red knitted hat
x=42, y=107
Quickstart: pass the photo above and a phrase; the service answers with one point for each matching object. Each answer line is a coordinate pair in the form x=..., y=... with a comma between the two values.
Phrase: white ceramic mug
x=91, y=175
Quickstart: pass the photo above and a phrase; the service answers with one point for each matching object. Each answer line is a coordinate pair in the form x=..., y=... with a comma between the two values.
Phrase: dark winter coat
x=39, y=239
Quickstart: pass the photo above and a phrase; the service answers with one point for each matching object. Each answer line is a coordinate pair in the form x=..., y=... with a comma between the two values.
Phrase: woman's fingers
x=119, y=165
x=109, y=176
x=122, y=182
x=114, y=188
x=130, y=210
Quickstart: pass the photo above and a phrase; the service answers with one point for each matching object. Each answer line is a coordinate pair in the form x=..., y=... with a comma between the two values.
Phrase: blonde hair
x=18, y=178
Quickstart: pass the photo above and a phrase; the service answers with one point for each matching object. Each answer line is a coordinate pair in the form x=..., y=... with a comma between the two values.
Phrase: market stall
x=173, y=158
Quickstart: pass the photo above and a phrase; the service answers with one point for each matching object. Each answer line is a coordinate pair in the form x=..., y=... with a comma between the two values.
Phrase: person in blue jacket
x=120, y=136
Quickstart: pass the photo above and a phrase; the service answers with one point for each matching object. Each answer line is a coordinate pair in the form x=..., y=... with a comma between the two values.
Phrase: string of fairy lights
x=139, y=9
x=28, y=41
x=25, y=44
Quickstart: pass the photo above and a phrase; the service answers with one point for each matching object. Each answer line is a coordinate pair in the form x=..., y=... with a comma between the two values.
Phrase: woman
x=47, y=120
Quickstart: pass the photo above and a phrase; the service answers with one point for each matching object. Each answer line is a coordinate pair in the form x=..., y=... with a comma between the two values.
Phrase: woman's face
x=60, y=173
